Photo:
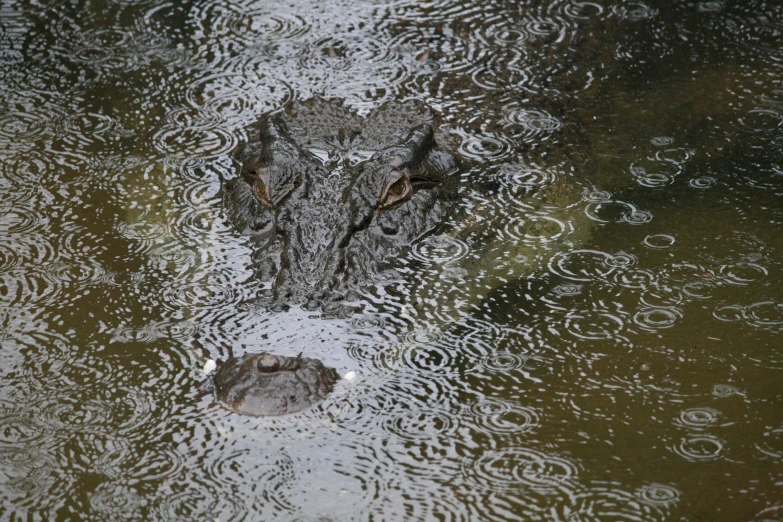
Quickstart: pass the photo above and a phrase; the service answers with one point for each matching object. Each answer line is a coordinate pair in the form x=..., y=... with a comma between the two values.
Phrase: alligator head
x=331, y=199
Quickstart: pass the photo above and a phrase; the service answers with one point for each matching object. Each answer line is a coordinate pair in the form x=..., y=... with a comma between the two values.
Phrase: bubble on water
x=634, y=11
x=710, y=6
x=597, y=196
x=637, y=217
x=653, y=319
x=509, y=469
x=699, y=448
x=658, y=494
x=698, y=418
x=702, y=182
x=653, y=179
x=659, y=241
x=568, y=289
x=662, y=141
x=724, y=390
x=439, y=249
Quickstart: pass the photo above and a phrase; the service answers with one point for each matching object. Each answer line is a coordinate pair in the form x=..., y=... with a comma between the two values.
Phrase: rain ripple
x=615, y=211
x=485, y=147
x=699, y=448
x=607, y=501
x=439, y=249
x=634, y=11
x=594, y=324
x=17, y=427
x=697, y=418
x=522, y=467
x=658, y=494
x=76, y=410
x=238, y=97
x=421, y=424
x=19, y=220
x=653, y=319
x=495, y=416
x=537, y=229
x=116, y=501
x=199, y=502
x=772, y=444
x=214, y=290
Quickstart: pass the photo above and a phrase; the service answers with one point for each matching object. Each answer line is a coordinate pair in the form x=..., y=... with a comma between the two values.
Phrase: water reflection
x=592, y=337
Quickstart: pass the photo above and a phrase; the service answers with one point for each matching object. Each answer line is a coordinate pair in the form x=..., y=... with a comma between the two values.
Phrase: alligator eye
x=259, y=187
x=398, y=190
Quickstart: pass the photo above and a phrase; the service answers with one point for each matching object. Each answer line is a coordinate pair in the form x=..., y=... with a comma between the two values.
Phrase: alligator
x=329, y=200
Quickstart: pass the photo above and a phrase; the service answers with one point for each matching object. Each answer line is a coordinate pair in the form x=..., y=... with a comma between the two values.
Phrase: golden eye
x=260, y=189
x=398, y=188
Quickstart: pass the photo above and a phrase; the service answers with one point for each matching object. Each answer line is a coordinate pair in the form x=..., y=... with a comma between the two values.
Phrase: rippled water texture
x=593, y=338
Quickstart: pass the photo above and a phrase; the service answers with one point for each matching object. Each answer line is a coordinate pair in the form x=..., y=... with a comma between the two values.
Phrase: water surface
x=594, y=337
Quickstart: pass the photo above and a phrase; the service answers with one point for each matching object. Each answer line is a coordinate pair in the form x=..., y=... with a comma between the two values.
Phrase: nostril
x=390, y=229
x=260, y=224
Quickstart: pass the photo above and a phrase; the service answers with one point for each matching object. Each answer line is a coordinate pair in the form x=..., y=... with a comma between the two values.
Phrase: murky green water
x=596, y=340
